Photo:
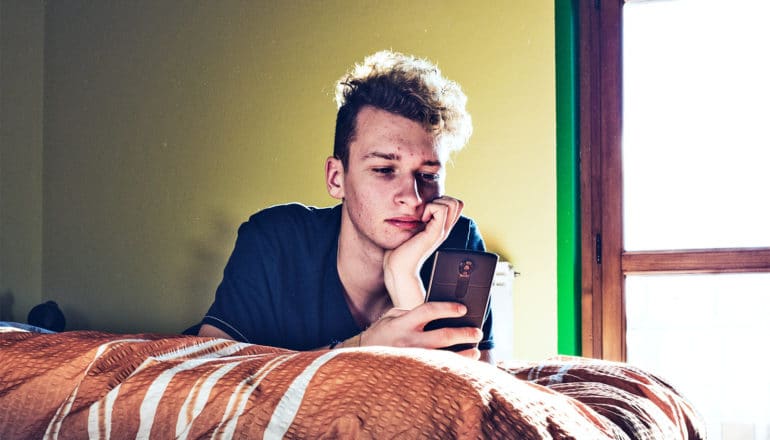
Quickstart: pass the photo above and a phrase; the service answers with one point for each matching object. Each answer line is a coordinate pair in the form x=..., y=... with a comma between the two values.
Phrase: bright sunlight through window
x=696, y=155
x=696, y=112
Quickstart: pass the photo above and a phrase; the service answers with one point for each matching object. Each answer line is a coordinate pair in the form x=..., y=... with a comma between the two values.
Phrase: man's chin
x=394, y=242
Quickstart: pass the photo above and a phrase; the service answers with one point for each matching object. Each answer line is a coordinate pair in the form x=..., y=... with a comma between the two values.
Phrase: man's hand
x=404, y=328
x=402, y=265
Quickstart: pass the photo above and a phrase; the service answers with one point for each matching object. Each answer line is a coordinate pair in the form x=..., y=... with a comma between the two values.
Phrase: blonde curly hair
x=405, y=85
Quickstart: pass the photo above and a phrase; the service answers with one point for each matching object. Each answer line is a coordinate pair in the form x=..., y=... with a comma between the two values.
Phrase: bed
x=86, y=384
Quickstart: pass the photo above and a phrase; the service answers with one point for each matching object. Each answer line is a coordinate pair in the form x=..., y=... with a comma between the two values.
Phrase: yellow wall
x=166, y=124
x=21, y=157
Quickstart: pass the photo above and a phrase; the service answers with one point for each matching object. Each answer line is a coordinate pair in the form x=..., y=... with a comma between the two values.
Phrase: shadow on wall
x=6, y=306
x=208, y=256
x=75, y=316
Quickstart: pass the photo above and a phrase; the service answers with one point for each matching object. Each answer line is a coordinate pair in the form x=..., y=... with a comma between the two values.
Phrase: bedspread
x=100, y=385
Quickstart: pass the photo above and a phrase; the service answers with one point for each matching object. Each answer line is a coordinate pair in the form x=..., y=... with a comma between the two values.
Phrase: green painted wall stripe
x=567, y=182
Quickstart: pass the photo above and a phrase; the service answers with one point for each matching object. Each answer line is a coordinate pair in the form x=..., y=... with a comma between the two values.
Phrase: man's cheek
x=428, y=194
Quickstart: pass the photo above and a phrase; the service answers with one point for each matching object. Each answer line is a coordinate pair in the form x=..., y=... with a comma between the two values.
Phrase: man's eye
x=428, y=177
x=385, y=170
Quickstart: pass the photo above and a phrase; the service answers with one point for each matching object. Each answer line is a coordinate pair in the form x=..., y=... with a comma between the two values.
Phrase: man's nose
x=409, y=192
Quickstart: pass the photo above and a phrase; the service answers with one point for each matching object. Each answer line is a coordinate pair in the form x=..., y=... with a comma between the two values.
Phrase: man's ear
x=335, y=178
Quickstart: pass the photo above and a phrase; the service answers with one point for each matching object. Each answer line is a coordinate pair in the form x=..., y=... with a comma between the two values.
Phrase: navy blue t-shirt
x=281, y=287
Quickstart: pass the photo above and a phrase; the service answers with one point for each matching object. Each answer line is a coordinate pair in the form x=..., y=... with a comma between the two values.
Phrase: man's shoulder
x=294, y=214
x=294, y=209
x=464, y=235
x=465, y=223
x=291, y=224
x=464, y=226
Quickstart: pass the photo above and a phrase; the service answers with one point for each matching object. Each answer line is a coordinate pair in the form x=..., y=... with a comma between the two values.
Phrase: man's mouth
x=405, y=223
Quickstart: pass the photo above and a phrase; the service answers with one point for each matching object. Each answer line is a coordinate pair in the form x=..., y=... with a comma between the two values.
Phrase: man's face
x=394, y=169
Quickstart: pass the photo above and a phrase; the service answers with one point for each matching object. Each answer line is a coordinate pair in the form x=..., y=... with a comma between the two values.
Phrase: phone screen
x=466, y=277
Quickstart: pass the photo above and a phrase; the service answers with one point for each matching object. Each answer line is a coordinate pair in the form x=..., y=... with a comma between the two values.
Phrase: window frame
x=604, y=263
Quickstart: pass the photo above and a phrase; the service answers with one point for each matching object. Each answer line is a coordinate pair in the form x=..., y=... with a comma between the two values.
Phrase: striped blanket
x=107, y=386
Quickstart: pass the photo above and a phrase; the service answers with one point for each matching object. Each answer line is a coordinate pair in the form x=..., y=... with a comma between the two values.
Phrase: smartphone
x=466, y=277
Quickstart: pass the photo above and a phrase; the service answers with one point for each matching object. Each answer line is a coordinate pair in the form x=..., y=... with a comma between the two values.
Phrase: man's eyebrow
x=393, y=156
x=379, y=155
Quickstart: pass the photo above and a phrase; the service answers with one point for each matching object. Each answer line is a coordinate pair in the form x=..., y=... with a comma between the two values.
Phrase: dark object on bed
x=48, y=316
x=80, y=384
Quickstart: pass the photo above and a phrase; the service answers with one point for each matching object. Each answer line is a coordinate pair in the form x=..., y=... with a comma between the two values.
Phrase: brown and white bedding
x=108, y=386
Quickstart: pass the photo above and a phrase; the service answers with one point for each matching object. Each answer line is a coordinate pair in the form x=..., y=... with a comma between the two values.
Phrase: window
x=674, y=182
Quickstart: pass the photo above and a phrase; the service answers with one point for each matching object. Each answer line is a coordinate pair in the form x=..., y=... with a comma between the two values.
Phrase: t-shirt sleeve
x=243, y=306
x=476, y=243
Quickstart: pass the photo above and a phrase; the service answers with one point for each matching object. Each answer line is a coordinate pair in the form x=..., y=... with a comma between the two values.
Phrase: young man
x=355, y=274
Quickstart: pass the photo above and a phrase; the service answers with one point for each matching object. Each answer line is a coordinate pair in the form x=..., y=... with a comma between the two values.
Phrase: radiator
x=502, y=310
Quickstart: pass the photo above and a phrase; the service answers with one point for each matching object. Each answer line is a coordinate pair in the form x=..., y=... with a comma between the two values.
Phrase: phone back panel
x=465, y=277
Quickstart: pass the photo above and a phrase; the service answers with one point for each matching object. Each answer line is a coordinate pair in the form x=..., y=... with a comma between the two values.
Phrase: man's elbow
x=210, y=331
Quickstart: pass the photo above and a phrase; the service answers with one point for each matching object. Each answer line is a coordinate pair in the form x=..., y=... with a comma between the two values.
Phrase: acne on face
x=395, y=167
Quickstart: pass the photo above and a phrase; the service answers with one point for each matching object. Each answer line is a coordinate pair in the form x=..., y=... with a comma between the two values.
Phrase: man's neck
x=359, y=265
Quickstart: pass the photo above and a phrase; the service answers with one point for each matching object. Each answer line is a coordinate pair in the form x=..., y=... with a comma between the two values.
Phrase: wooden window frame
x=604, y=263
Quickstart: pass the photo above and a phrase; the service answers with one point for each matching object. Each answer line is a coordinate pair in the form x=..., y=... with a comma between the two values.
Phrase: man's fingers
x=399, y=327
x=458, y=210
x=472, y=353
x=453, y=208
x=449, y=336
x=435, y=211
x=431, y=311
x=455, y=205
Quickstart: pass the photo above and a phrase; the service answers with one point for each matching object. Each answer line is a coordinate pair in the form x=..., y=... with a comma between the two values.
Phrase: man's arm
x=406, y=328
x=210, y=331
x=446, y=339
x=401, y=266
